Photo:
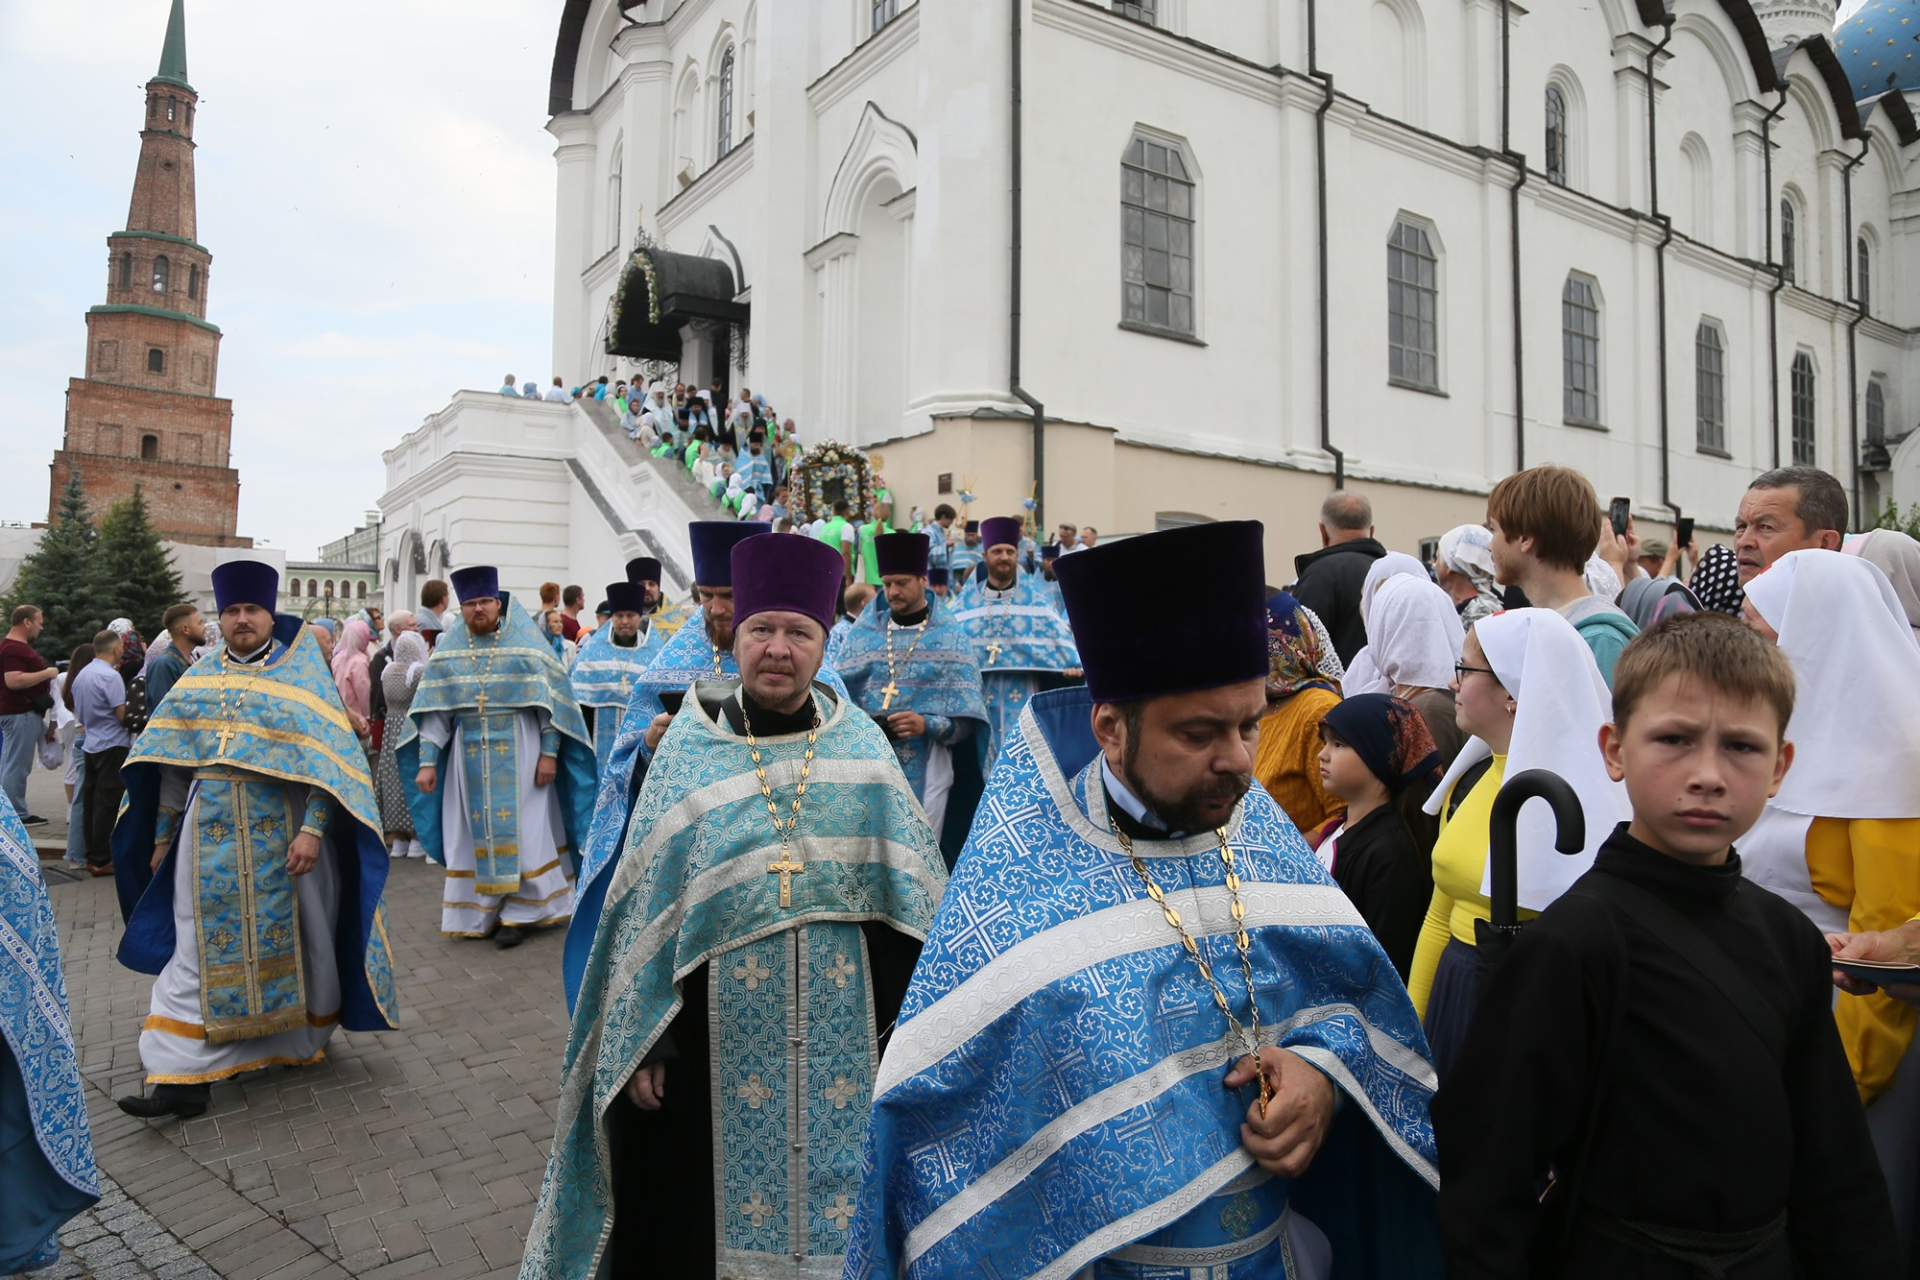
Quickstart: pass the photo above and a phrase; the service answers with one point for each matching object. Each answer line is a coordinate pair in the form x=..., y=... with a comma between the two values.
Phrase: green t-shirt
x=833, y=533
x=869, y=562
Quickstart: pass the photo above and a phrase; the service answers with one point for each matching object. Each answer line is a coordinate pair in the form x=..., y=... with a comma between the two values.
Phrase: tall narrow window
x=149, y=448
x=313, y=587
x=1876, y=413
x=1710, y=388
x=1580, y=351
x=1556, y=136
x=193, y=281
x=1803, y=404
x=172, y=105
x=156, y=360
x=614, y=215
x=126, y=271
x=1413, y=307
x=1156, y=237
x=1863, y=275
x=360, y=591
x=162, y=272
x=723, y=141
x=1138, y=10
x=1789, y=240
x=884, y=11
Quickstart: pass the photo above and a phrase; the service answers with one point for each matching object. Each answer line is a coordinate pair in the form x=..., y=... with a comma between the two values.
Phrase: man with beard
x=613, y=660
x=1142, y=998
x=1021, y=642
x=694, y=653
x=186, y=631
x=911, y=667
x=494, y=713
x=740, y=979
x=658, y=619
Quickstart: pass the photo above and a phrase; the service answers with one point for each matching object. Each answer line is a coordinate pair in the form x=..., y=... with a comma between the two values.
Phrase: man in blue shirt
x=187, y=631
x=100, y=701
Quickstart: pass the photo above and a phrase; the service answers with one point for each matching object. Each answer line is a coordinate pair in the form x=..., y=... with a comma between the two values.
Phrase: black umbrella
x=1495, y=937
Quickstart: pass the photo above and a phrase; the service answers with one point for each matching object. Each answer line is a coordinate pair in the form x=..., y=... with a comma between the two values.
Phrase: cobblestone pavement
x=410, y=1152
x=118, y=1240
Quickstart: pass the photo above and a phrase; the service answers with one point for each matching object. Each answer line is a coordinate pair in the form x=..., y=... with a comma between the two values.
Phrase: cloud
x=375, y=183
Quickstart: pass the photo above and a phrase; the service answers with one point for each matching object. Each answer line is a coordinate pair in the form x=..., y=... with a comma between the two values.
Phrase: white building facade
x=1242, y=249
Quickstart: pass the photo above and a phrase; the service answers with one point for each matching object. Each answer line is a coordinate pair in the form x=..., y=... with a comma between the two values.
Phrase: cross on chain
x=227, y=734
x=889, y=691
x=993, y=652
x=786, y=869
x=480, y=702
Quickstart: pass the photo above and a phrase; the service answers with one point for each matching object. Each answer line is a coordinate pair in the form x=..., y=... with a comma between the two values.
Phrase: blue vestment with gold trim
x=249, y=733
x=1017, y=641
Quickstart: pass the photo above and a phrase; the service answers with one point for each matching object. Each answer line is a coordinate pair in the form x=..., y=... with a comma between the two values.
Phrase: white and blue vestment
x=1019, y=637
x=1051, y=1103
x=603, y=677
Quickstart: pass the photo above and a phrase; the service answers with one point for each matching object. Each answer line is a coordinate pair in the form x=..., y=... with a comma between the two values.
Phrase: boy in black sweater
x=1658, y=1049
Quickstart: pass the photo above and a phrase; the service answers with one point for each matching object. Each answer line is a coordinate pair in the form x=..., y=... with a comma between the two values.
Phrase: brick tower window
x=156, y=360
x=193, y=282
x=162, y=273
x=149, y=448
x=171, y=105
x=126, y=271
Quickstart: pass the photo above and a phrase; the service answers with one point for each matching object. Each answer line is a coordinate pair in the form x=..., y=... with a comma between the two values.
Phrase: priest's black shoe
x=183, y=1100
x=507, y=936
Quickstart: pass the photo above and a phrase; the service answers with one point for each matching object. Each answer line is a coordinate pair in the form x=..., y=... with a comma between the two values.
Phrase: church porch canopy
x=663, y=292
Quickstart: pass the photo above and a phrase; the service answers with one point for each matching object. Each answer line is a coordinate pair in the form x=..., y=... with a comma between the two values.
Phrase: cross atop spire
x=173, y=54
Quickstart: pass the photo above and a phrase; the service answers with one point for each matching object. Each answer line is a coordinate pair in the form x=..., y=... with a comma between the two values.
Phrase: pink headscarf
x=350, y=667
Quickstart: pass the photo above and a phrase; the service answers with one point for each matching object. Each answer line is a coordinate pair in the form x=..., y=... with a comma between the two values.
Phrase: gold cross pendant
x=888, y=692
x=786, y=869
x=227, y=734
x=480, y=702
x=993, y=652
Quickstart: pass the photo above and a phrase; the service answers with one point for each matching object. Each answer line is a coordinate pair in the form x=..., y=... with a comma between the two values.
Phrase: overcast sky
x=375, y=185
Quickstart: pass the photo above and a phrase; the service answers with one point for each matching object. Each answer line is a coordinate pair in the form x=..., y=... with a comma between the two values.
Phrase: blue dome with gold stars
x=1880, y=47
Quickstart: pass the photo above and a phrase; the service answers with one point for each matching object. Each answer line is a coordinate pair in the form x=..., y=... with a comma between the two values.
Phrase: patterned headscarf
x=1389, y=735
x=1716, y=581
x=1296, y=649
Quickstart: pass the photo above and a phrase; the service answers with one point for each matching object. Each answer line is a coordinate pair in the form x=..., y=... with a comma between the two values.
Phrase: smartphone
x=1620, y=512
x=1683, y=531
x=671, y=699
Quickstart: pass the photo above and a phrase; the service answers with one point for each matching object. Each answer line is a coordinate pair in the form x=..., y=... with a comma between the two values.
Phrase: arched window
x=1789, y=240
x=1710, y=388
x=1413, y=307
x=1876, y=413
x=1556, y=136
x=329, y=586
x=126, y=271
x=884, y=11
x=614, y=216
x=723, y=109
x=313, y=588
x=193, y=282
x=162, y=273
x=1580, y=352
x=1156, y=237
x=1803, y=408
x=1138, y=10
x=172, y=105
x=156, y=360
x=149, y=448
x=360, y=591
x=1863, y=275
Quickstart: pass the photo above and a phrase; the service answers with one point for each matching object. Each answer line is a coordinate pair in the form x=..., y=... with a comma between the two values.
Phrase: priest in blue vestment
x=250, y=860
x=662, y=620
x=611, y=663
x=45, y=1145
x=702, y=652
x=498, y=769
x=1072, y=1088
x=1020, y=640
x=910, y=666
x=755, y=938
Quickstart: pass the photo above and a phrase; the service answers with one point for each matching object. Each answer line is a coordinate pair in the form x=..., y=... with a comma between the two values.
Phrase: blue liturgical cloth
x=934, y=669
x=46, y=1149
x=790, y=993
x=249, y=733
x=603, y=677
x=1015, y=640
x=1051, y=1099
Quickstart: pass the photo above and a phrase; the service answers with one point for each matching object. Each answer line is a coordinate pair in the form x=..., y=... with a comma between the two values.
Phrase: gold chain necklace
x=1249, y=1039
x=788, y=867
x=227, y=733
x=892, y=689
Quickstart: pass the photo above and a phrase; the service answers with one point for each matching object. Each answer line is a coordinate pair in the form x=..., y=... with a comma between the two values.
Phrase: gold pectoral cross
x=786, y=869
x=993, y=652
x=888, y=692
x=480, y=702
x=227, y=734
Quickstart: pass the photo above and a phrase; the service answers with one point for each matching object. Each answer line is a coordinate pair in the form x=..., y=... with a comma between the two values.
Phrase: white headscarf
x=1363, y=673
x=1601, y=579
x=1856, y=714
x=1898, y=556
x=1468, y=550
x=1414, y=633
x=1560, y=702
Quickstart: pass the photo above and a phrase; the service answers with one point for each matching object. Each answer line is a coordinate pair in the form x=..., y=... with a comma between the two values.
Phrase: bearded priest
x=501, y=769
x=611, y=663
x=760, y=925
x=250, y=860
x=1149, y=1036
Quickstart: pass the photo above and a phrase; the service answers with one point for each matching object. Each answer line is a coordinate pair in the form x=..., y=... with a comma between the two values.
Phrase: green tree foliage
x=63, y=577
x=137, y=579
x=1907, y=522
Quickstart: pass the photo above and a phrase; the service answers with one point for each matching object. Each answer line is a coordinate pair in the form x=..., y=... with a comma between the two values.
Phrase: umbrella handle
x=1503, y=841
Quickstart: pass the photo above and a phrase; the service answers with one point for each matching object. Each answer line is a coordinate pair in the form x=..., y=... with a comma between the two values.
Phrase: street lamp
x=328, y=612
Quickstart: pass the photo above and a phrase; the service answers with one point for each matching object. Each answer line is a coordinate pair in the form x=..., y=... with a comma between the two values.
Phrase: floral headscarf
x=1296, y=648
x=1716, y=581
x=1390, y=737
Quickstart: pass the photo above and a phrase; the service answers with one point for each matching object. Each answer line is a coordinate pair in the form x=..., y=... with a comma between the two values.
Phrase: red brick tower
x=146, y=412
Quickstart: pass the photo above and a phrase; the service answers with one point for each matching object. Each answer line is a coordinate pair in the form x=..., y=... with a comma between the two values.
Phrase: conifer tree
x=137, y=580
x=62, y=577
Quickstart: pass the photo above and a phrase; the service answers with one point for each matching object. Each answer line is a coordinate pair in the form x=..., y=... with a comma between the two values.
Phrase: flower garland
x=827, y=461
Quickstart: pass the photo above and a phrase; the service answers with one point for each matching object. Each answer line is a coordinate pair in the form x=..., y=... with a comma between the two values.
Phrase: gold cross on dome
x=888, y=692
x=227, y=734
x=786, y=869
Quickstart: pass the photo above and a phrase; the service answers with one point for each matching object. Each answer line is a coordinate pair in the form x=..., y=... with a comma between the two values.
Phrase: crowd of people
x=931, y=907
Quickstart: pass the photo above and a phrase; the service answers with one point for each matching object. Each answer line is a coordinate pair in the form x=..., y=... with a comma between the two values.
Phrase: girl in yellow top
x=1528, y=690
x=1841, y=840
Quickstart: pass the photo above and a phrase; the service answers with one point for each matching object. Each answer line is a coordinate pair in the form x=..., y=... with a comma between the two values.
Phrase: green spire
x=173, y=54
